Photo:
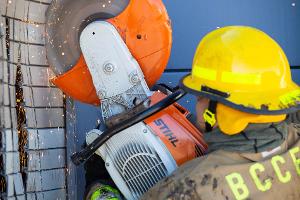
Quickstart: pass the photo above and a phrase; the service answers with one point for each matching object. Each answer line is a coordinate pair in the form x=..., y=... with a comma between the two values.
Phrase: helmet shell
x=243, y=68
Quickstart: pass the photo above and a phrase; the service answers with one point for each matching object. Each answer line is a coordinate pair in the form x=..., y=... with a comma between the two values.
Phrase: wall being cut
x=33, y=154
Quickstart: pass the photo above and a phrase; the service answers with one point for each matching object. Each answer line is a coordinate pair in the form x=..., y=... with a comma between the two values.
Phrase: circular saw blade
x=65, y=21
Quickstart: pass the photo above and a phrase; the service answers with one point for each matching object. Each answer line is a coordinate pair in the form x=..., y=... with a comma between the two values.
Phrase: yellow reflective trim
x=282, y=178
x=237, y=186
x=262, y=186
x=296, y=159
x=205, y=73
x=290, y=97
x=239, y=78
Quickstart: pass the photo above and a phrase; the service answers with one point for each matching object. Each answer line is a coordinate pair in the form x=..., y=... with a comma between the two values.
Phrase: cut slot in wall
x=21, y=121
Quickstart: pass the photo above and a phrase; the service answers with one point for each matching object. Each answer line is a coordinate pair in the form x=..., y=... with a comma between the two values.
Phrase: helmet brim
x=262, y=103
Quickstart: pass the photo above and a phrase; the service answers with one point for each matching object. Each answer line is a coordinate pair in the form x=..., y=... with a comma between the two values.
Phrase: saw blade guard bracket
x=116, y=75
x=144, y=26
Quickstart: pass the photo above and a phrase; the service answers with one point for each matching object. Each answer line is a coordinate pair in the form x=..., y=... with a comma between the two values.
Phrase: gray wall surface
x=192, y=19
x=39, y=133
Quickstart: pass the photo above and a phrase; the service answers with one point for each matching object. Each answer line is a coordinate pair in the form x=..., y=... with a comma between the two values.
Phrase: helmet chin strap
x=209, y=115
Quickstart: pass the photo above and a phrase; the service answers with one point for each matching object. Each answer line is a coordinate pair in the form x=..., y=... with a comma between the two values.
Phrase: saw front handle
x=82, y=156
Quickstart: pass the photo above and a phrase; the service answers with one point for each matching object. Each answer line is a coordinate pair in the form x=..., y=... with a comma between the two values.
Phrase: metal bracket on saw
x=116, y=75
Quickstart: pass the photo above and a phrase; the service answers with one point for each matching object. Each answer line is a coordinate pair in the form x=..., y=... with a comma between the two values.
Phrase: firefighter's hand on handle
x=82, y=156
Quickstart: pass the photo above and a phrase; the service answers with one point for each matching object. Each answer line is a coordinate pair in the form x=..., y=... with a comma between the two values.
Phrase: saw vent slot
x=140, y=167
x=139, y=161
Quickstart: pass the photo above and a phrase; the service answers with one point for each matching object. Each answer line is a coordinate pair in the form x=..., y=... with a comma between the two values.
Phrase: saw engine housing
x=140, y=156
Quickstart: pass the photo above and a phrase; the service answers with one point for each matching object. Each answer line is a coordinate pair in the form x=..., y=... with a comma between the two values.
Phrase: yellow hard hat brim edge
x=243, y=108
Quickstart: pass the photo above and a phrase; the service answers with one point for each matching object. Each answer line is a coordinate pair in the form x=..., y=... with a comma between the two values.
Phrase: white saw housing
x=135, y=158
x=117, y=77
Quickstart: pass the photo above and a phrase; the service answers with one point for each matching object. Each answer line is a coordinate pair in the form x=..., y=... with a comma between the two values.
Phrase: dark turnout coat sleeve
x=273, y=174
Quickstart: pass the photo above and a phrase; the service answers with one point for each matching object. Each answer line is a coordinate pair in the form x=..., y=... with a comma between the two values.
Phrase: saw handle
x=83, y=155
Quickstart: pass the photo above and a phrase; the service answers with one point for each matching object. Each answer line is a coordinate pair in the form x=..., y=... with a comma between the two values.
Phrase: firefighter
x=242, y=81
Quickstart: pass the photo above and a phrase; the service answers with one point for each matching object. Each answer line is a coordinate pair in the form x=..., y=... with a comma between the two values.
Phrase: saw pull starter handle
x=83, y=155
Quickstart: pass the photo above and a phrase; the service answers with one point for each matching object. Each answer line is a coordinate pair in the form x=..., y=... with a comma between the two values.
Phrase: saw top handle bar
x=89, y=150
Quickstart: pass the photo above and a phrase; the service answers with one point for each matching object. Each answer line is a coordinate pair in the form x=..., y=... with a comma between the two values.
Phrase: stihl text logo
x=166, y=131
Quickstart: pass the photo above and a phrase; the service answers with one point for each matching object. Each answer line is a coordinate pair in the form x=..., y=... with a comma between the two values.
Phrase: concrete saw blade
x=65, y=21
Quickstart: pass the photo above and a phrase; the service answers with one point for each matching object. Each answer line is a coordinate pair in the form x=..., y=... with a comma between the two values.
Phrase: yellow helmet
x=245, y=69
